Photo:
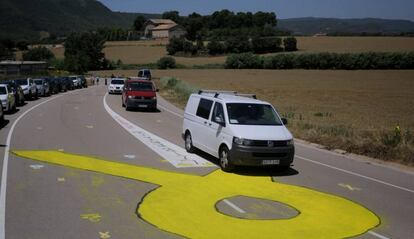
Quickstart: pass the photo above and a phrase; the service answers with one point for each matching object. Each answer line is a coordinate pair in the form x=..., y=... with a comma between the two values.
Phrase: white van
x=237, y=129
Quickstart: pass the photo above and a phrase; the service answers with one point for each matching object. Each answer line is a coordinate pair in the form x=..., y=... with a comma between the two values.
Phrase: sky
x=387, y=9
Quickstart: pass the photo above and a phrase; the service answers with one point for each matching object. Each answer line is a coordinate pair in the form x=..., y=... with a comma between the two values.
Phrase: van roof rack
x=218, y=92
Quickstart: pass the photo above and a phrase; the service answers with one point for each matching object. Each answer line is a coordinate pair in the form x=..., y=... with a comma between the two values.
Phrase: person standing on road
x=97, y=80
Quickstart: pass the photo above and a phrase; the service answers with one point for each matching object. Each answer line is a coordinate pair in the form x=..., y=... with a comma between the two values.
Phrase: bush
x=244, y=61
x=266, y=45
x=181, y=45
x=216, y=48
x=166, y=62
x=38, y=54
x=238, y=45
x=290, y=44
x=347, y=61
x=183, y=89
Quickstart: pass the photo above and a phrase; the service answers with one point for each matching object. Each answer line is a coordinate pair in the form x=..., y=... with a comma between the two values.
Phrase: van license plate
x=270, y=162
x=143, y=106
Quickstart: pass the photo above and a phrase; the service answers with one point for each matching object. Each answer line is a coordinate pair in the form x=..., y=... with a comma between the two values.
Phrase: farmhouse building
x=163, y=28
x=22, y=67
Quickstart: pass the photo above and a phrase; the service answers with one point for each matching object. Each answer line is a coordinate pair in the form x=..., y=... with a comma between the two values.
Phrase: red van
x=139, y=94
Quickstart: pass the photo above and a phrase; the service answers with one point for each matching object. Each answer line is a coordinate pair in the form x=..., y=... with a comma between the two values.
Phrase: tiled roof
x=164, y=27
x=162, y=21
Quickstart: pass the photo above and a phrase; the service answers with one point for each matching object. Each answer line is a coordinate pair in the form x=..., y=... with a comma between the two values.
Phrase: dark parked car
x=84, y=84
x=17, y=92
x=53, y=85
x=68, y=83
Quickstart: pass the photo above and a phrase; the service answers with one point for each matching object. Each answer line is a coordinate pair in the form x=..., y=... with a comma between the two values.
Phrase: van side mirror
x=220, y=121
x=284, y=121
x=157, y=90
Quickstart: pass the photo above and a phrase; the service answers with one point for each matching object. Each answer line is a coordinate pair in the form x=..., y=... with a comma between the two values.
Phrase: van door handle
x=205, y=122
x=209, y=124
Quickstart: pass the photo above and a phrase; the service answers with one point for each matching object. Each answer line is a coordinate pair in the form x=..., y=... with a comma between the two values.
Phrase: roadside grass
x=357, y=111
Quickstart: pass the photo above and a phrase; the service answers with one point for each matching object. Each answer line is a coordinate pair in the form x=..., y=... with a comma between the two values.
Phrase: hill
x=28, y=18
x=312, y=26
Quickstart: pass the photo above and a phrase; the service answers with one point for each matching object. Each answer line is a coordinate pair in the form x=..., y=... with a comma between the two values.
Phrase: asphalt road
x=95, y=200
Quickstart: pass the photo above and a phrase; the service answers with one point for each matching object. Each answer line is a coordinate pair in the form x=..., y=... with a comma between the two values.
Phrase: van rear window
x=204, y=108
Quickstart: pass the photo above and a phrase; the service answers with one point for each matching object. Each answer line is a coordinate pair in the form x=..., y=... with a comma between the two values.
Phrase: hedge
x=343, y=61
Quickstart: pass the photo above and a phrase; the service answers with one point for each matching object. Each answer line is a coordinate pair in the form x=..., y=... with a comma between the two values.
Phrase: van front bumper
x=262, y=156
x=141, y=103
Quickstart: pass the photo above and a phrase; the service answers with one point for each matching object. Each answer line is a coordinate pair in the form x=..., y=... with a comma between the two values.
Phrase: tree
x=139, y=23
x=38, y=54
x=166, y=62
x=83, y=52
x=172, y=15
x=290, y=44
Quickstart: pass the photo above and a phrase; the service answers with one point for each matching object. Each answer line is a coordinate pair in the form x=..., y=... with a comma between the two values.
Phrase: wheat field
x=144, y=52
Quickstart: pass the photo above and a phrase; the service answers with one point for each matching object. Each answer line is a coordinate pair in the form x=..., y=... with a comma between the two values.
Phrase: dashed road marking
x=37, y=166
x=104, y=235
x=92, y=217
x=89, y=126
x=130, y=156
x=232, y=205
x=176, y=155
x=61, y=179
x=349, y=187
x=377, y=235
x=39, y=128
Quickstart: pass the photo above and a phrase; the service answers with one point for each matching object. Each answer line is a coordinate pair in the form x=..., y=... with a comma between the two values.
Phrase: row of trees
x=258, y=45
x=222, y=24
x=346, y=61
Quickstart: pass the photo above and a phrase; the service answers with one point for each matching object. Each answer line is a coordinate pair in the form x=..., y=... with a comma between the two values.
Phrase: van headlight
x=154, y=98
x=131, y=97
x=241, y=141
x=289, y=142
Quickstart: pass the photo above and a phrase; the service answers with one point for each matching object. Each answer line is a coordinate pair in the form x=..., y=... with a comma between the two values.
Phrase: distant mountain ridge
x=26, y=19
x=312, y=25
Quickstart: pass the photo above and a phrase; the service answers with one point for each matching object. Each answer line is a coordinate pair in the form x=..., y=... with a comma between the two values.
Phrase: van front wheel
x=225, y=161
x=189, y=143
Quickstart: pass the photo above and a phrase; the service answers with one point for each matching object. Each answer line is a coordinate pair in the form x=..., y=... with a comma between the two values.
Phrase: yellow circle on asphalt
x=185, y=204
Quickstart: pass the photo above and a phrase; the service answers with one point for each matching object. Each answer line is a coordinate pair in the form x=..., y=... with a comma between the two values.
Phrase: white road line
x=173, y=153
x=355, y=174
x=5, y=167
x=378, y=235
x=232, y=205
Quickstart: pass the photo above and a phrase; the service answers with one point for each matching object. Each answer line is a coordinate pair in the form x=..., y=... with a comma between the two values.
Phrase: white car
x=8, y=101
x=116, y=86
x=237, y=129
x=76, y=81
x=43, y=87
x=29, y=88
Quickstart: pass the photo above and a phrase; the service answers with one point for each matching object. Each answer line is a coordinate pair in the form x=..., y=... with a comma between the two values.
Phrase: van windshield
x=3, y=90
x=140, y=86
x=21, y=82
x=252, y=114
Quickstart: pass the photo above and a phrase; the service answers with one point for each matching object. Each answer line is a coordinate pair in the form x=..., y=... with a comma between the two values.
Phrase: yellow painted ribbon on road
x=185, y=204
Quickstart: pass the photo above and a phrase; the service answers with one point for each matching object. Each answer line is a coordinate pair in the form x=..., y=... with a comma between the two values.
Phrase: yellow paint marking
x=185, y=204
x=347, y=186
x=61, y=179
x=104, y=235
x=92, y=217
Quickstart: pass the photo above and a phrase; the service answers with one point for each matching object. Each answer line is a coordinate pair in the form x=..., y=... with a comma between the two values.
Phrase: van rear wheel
x=225, y=160
x=189, y=143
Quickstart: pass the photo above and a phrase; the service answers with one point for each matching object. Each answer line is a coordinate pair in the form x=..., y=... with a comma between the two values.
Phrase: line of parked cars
x=15, y=92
